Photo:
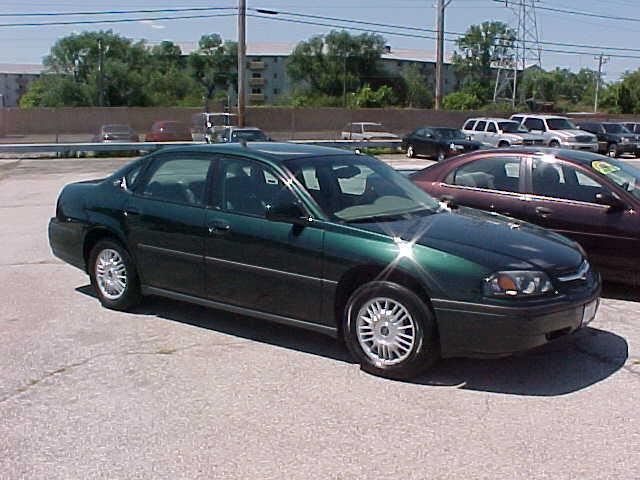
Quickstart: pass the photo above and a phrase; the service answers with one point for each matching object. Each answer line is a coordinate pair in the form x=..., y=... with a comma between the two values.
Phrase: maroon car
x=169, y=131
x=590, y=198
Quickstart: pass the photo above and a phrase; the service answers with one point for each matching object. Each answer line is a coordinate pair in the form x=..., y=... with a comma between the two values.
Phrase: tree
x=478, y=50
x=214, y=65
x=367, y=97
x=461, y=101
x=418, y=92
x=338, y=63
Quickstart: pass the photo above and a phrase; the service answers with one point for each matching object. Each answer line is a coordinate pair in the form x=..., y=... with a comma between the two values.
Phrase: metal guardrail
x=71, y=148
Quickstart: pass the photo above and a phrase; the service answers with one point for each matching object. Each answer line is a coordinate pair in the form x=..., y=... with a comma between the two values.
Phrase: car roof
x=365, y=123
x=577, y=156
x=491, y=119
x=243, y=128
x=535, y=115
x=274, y=151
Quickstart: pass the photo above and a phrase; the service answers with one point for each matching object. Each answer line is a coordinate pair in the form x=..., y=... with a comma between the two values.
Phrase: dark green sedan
x=327, y=240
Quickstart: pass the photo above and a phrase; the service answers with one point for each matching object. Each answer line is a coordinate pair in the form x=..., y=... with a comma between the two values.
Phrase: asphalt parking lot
x=177, y=391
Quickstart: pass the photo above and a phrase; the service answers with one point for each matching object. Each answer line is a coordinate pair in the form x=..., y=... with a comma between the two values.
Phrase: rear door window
x=492, y=127
x=534, y=124
x=178, y=180
x=480, y=126
x=490, y=173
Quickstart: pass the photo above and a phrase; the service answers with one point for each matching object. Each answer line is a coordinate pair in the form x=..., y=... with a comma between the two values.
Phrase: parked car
x=558, y=132
x=115, y=133
x=366, y=131
x=633, y=127
x=437, y=142
x=500, y=132
x=169, y=131
x=206, y=126
x=590, y=198
x=613, y=138
x=238, y=134
x=327, y=240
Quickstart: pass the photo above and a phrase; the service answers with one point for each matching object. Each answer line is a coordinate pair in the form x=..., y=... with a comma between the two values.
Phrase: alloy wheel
x=386, y=331
x=411, y=152
x=111, y=274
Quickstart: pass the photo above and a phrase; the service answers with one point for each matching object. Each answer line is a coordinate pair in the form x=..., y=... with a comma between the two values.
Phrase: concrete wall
x=280, y=122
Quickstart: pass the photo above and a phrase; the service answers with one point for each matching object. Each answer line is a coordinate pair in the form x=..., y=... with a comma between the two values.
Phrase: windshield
x=449, y=133
x=116, y=128
x=615, y=128
x=359, y=188
x=249, y=135
x=560, y=124
x=374, y=128
x=511, y=127
x=620, y=173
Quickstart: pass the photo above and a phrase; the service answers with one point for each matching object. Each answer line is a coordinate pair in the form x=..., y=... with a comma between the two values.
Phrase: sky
x=30, y=44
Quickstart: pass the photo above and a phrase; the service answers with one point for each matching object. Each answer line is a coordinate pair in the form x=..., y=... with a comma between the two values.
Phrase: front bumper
x=479, y=330
x=591, y=147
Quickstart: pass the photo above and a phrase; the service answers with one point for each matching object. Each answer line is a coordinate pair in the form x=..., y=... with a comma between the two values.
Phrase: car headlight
x=517, y=284
x=625, y=140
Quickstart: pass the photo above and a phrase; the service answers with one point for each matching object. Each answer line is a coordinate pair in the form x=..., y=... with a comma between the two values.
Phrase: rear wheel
x=390, y=330
x=503, y=144
x=612, y=150
x=411, y=152
x=113, y=275
x=440, y=155
x=554, y=144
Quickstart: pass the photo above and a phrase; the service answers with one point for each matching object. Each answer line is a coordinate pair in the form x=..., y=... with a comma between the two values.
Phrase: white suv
x=500, y=132
x=558, y=132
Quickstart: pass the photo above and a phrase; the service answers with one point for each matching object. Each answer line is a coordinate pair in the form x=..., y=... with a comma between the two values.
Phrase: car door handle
x=544, y=212
x=131, y=211
x=219, y=226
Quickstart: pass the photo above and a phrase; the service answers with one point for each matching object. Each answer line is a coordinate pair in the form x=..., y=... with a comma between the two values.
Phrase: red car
x=169, y=131
x=590, y=198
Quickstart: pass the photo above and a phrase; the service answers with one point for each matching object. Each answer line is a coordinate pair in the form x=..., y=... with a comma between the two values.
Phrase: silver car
x=558, y=132
x=500, y=132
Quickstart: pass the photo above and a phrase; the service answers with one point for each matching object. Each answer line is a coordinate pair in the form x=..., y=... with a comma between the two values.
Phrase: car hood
x=462, y=143
x=381, y=135
x=571, y=133
x=491, y=240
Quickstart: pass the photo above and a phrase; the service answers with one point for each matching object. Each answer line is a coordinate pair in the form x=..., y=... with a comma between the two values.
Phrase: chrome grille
x=583, y=139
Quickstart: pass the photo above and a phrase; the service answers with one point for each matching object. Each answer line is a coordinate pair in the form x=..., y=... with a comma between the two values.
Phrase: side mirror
x=121, y=183
x=611, y=200
x=287, y=212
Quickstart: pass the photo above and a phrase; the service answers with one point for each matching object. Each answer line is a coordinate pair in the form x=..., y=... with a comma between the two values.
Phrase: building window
x=275, y=74
x=256, y=75
x=275, y=59
x=276, y=91
x=256, y=90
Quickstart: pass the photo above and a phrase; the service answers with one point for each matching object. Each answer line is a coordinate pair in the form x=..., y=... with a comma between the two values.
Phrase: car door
x=491, y=134
x=478, y=131
x=536, y=126
x=563, y=198
x=255, y=263
x=423, y=142
x=493, y=183
x=165, y=222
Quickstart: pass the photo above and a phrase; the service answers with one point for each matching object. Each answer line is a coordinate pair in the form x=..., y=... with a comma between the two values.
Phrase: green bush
x=461, y=101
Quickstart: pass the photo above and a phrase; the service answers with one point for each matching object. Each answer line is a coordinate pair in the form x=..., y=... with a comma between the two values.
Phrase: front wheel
x=554, y=144
x=440, y=155
x=390, y=330
x=612, y=150
x=411, y=152
x=113, y=275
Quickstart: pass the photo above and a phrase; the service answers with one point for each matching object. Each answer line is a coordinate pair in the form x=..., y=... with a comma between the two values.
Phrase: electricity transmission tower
x=523, y=51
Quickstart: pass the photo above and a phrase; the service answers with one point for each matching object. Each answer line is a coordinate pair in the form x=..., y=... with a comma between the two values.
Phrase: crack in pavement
x=159, y=351
x=38, y=262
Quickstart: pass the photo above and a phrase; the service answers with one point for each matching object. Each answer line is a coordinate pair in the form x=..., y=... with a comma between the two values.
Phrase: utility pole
x=242, y=54
x=601, y=61
x=441, y=5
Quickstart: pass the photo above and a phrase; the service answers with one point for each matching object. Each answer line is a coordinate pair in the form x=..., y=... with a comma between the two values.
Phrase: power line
x=119, y=20
x=114, y=12
x=578, y=12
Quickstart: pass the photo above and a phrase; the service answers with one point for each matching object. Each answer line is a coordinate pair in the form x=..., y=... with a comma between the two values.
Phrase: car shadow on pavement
x=617, y=291
x=567, y=365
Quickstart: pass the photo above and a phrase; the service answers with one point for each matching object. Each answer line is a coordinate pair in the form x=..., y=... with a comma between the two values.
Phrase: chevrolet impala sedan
x=326, y=240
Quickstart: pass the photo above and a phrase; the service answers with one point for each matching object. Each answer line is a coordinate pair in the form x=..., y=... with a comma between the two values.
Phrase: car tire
x=390, y=330
x=440, y=155
x=114, y=276
x=554, y=144
x=411, y=152
x=612, y=150
x=503, y=144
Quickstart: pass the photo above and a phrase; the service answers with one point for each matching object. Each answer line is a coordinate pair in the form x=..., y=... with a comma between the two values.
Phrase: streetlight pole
x=242, y=54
